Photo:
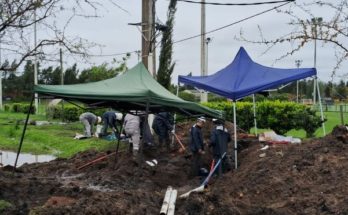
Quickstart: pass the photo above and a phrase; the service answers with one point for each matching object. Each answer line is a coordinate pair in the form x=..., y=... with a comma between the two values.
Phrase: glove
x=172, y=131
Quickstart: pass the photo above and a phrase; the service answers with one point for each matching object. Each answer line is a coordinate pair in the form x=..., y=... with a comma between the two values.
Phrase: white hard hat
x=119, y=116
x=201, y=119
x=99, y=119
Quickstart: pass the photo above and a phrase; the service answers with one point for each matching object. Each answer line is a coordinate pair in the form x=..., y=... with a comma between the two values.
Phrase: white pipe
x=172, y=200
x=255, y=122
x=166, y=199
x=321, y=109
x=198, y=189
x=235, y=135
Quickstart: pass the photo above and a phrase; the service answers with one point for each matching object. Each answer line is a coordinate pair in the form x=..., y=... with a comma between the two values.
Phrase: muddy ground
x=310, y=178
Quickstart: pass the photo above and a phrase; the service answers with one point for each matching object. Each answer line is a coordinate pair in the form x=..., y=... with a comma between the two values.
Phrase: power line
x=235, y=4
x=115, y=54
x=239, y=21
x=208, y=32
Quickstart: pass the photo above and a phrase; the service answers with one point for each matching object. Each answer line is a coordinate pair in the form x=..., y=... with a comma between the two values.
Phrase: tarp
x=131, y=90
x=244, y=77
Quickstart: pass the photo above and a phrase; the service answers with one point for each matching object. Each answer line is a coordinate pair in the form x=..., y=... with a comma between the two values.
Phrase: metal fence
x=333, y=108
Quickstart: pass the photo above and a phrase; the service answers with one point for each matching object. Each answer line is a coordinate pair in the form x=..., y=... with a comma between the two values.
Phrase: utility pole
x=204, y=95
x=35, y=64
x=61, y=67
x=0, y=78
x=147, y=31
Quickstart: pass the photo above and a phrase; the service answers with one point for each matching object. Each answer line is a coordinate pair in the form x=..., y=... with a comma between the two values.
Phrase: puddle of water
x=9, y=158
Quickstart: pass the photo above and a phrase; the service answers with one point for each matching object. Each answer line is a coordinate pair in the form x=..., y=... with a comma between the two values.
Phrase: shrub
x=24, y=108
x=69, y=112
x=16, y=107
x=7, y=107
x=278, y=116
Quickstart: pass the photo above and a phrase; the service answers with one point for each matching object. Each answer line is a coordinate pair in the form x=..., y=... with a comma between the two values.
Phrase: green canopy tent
x=134, y=89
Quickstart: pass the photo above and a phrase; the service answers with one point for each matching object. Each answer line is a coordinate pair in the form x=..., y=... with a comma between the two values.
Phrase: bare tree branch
x=330, y=30
x=17, y=17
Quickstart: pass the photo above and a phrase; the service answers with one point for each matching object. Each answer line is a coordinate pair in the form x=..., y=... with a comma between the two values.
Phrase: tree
x=70, y=75
x=166, y=66
x=341, y=90
x=307, y=27
x=17, y=19
x=328, y=89
x=27, y=79
x=45, y=77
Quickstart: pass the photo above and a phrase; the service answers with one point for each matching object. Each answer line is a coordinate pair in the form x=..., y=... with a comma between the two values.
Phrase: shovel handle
x=179, y=141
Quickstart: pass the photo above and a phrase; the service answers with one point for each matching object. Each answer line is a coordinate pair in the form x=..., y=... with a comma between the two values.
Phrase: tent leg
x=174, y=126
x=314, y=92
x=321, y=110
x=145, y=123
x=255, y=121
x=235, y=135
x=23, y=133
x=119, y=138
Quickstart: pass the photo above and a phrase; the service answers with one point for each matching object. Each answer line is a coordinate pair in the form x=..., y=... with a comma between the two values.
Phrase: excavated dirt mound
x=290, y=179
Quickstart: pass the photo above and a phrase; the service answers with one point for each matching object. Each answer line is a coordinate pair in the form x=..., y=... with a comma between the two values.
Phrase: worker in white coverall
x=89, y=120
x=132, y=130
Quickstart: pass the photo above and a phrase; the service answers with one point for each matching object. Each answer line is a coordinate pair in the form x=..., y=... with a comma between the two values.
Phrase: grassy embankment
x=53, y=139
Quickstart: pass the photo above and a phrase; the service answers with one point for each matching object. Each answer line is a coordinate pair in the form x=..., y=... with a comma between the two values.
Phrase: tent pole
x=119, y=136
x=174, y=126
x=314, y=92
x=321, y=109
x=235, y=135
x=144, y=129
x=23, y=132
x=255, y=121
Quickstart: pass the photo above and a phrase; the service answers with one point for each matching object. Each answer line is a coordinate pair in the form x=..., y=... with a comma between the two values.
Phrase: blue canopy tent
x=244, y=77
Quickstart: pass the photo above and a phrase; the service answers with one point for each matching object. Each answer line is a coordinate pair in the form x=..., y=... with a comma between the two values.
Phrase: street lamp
x=207, y=41
x=298, y=64
x=315, y=22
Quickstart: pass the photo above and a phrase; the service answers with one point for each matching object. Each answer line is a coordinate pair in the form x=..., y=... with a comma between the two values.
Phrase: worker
x=89, y=120
x=219, y=139
x=197, y=145
x=162, y=126
x=110, y=119
x=132, y=130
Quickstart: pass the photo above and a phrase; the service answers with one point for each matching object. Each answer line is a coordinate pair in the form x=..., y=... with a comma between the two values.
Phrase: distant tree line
x=19, y=84
x=332, y=90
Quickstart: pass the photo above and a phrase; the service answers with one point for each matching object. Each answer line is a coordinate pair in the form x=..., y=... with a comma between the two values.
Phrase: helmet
x=119, y=116
x=99, y=119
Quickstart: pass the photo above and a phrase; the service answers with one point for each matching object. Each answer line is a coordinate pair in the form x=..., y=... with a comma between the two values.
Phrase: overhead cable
x=235, y=4
x=234, y=23
x=208, y=32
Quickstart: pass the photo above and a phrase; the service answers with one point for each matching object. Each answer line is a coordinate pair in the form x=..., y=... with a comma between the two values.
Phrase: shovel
x=183, y=148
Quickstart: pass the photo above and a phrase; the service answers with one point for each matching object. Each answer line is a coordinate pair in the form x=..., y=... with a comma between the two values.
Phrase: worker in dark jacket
x=110, y=119
x=219, y=139
x=89, y=120
x=162, y=126
x=197, y=145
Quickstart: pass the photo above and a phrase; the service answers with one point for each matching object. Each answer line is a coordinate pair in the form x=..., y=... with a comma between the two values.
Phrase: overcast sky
x=113, y=32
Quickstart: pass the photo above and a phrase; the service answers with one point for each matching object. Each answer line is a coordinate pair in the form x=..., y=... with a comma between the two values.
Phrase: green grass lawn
x=46, y=139
x=333, y=119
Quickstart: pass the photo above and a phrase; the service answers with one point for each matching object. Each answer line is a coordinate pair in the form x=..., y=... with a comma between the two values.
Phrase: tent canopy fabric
x=244, y=77
x=132, y=90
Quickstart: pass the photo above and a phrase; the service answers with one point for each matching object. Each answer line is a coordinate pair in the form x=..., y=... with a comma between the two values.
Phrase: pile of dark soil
x=291, y=179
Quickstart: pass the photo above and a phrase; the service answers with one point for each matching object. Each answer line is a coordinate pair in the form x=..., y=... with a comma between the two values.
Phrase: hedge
x=19, y=108
x=278, y=116
x=69, y=112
